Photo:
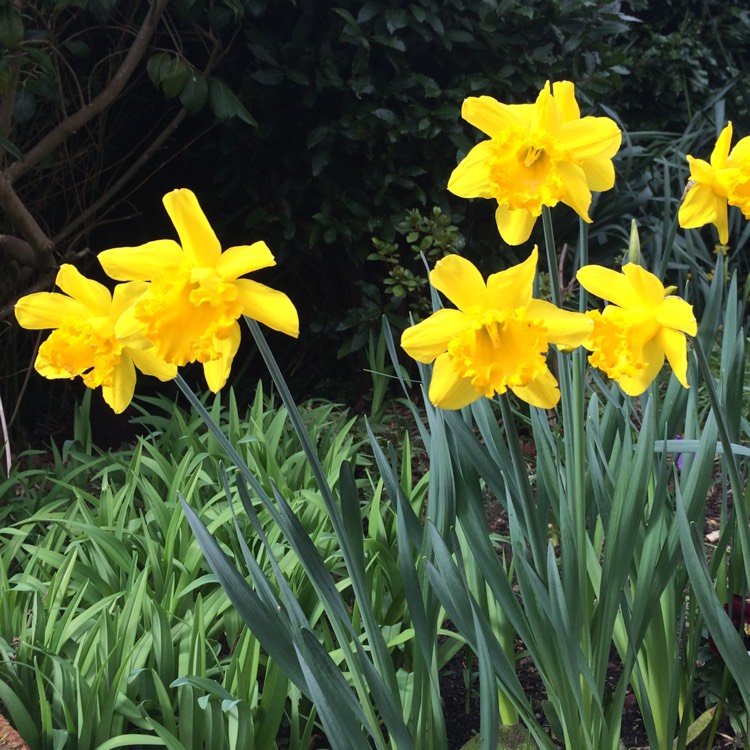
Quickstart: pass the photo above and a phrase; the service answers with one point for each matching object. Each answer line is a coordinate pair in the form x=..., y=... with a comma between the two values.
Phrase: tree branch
x=71, y=124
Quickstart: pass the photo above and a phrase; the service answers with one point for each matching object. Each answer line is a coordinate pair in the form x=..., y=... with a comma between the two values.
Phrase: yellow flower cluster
x=496, y=340
x=538, y=155
x=715, y=185
x=181, y=304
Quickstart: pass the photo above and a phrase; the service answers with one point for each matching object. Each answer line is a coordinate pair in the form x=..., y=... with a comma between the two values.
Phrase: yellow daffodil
x=196, y=296
x=497, y=338
x=644, y=324
x=712, y=186
x=84, y=341
x=538, y=154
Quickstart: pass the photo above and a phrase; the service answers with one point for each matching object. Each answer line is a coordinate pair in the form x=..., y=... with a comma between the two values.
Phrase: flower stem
x=549, y=242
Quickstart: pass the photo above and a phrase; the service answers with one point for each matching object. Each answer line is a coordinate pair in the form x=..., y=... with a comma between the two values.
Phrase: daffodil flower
x=538, y=155
x=714, y=185
x=645, y=324
x=84, y=341
x=496, y=340
x=196, y=296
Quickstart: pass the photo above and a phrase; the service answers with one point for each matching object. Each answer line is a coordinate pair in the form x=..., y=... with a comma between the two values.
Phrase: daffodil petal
x=703, y=206
x=590, y=138
x=237, y=261
x=471, y=178
x=542, y=391
x=514, y=225
x=600, y=174
x=127, y=326
x=120, y=393
x=199, y=242
x=740, y=153
x=268, y=306
x=125, y=295
x=564, y=328
x=653, y=356
x=674, y=312
x=564, y=93
x=608, y=284
x=141, y=263
x=514, y=286
x=447, y=389
x=460, y=281
x=721, y=149
x=701, y=171
x=216, y=371
x=674, y=345
x=91, y=294
x=43, y=310
x=149, y=364
x=646, y=284
x=576, y=192
x=429, y=338
x=492, y=116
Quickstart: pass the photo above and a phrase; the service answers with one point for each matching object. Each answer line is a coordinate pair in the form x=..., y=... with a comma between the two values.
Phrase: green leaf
x=156, y=67
x=225, y=104
x=174, y=76
x=194, y=93
x=11, y=26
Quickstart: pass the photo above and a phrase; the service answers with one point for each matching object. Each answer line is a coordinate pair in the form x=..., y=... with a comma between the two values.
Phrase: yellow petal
x=674, y=346
x=600, y=174
x=460, y=281
x=542, y=391
x=127, y=326
x=268, y=306
x=740, y=153
x=514, y=286
x=492, y=116
x=47, y=310
x=701, y=171
x=471, y=178
x=428, y=339
x=93, y=295
x=199, y=242
x=125, y=295
x=237, y=261
x=721, y=149
x=674, y=312
x=120, y=393
x=646, y=285
x=447, y=389
x=653, y=355
x=514, y=225
x=608, y=284
x=547, y=116
x=565, y=96
x=216, y=371
x=590, y=138
x=703, y=206
x=564, y=328
x=576, y=192
x=149, y=364
x=141, y=263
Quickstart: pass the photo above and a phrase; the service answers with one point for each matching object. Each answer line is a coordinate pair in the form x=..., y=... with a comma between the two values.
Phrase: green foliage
x=111, y=629
x=428, y=238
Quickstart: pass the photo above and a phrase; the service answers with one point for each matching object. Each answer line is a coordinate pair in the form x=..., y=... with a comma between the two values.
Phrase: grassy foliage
x=111, y=625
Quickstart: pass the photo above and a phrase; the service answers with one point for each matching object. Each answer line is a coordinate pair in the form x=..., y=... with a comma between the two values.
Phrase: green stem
x=731, y=463
x=549, y=243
